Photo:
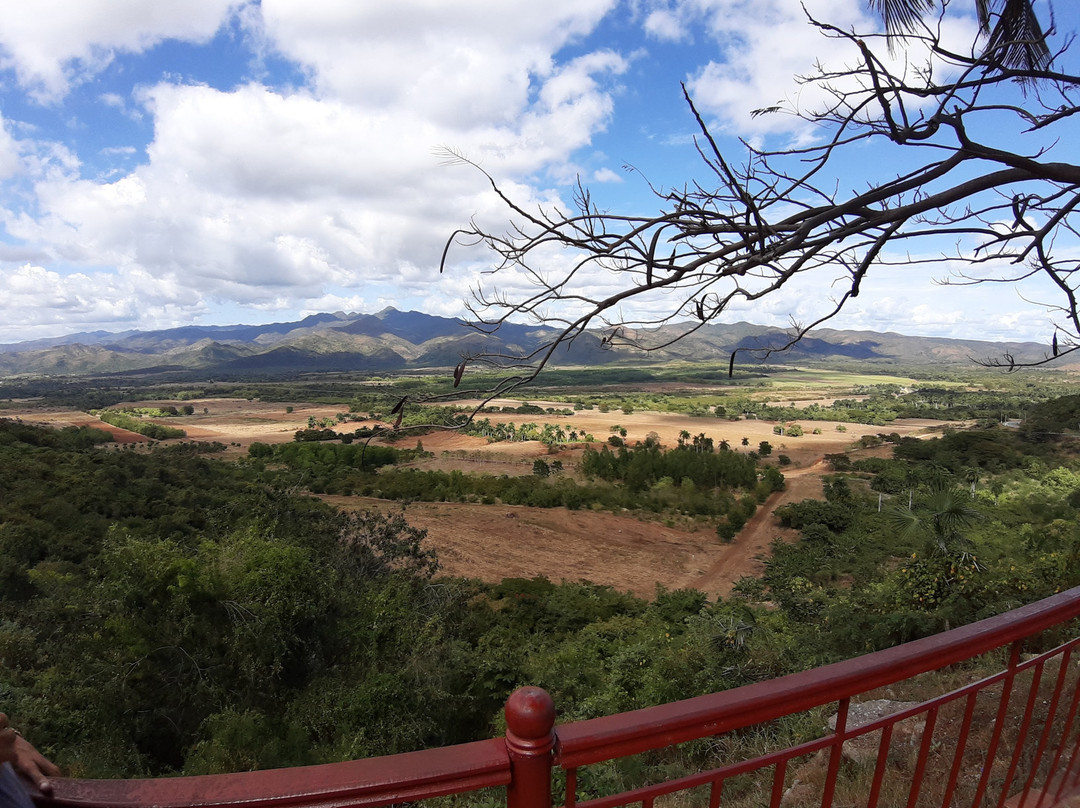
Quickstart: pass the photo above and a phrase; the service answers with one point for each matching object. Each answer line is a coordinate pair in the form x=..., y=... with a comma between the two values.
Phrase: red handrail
x=368, y=782
x=523, y=760
x=629, y=733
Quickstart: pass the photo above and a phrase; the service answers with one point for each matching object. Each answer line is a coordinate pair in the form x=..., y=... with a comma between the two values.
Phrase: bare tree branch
x=772, y=217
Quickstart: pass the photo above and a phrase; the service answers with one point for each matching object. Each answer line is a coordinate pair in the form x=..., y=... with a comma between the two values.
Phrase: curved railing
x=1009, y=739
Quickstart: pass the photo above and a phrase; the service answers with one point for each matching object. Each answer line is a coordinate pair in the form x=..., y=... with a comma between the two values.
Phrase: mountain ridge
x=395, y=340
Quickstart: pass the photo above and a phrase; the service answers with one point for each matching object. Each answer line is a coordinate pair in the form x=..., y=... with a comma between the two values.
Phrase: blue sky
x=231, y=161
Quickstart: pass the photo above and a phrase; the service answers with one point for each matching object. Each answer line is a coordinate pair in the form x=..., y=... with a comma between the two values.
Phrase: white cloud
x=606, y=175
x=465, y=63
x=53, y=44
x=254, y=196
x=90, y=300
x=766, y=44
x=268, y=198
x=763, y=45
x=665, y=25
x=10, y=161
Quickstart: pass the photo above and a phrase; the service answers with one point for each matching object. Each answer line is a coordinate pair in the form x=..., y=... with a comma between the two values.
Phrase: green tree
x=943, y=515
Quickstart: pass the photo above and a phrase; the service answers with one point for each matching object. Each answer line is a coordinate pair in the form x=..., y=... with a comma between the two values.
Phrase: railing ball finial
x=530, y=717
x=530, y=737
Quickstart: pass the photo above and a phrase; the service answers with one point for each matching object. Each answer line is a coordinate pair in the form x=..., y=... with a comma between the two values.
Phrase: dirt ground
x=629, y=553
x=493, y=541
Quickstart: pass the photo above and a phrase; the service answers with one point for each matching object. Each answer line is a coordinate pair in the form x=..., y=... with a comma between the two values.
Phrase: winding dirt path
x=627, y=552
x=746, y=555
x=630, y=552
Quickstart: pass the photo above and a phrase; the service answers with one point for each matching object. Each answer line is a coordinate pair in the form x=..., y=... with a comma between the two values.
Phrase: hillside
x=395, y=340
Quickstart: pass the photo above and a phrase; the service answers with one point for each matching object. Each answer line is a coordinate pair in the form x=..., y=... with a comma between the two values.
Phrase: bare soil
x=625, y=551
x=491, y=542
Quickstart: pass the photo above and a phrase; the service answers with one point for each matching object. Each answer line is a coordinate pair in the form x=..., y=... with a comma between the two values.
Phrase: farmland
x=264, y=590
x=627, y=551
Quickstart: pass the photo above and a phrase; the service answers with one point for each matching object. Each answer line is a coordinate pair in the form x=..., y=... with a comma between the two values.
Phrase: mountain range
x=396, y=340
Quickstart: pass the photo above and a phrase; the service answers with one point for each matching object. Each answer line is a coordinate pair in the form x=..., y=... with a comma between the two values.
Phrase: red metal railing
x=1009, y=739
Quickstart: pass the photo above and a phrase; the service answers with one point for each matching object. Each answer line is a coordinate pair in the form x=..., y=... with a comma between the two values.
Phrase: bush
x=835, y=516
x=726, y=532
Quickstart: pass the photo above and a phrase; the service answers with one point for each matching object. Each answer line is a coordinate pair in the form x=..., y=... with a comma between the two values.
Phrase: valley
x=212, y=575
x=627, y=551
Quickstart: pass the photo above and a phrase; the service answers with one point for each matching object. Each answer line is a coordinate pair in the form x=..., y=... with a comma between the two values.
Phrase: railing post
x=530, y=738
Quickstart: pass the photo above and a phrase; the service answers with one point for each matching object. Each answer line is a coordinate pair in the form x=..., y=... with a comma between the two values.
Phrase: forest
x=168, y=611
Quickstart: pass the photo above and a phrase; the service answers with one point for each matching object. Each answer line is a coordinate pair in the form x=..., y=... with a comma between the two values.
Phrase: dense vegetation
x=165, y=611
x=759, y=390
x=693, y=479
x=133, y=422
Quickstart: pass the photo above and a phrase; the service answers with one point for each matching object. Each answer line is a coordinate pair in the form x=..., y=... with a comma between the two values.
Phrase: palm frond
x=1017, y=40
x=950, y=511
x=904, y=520
x=901, y=16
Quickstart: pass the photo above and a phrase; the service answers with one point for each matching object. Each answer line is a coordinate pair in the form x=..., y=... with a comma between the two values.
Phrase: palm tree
x=1015, y=39
x=971, y=477
x=944, y=514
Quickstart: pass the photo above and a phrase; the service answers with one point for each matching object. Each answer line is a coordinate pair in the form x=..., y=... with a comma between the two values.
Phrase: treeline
x=324, y=458
x=549, y=434
x=1060, y=415
x=696, y=483
x=967, y=456
x=135, y=424
x=534, y=491
x=68, y=438
x=168, y=411
x=643, y=466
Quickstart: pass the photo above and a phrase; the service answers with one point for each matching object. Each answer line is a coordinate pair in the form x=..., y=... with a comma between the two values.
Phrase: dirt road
x=625, y=551
x=492, y=542
x=746, y=555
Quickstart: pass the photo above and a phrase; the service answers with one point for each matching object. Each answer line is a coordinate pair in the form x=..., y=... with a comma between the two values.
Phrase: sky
x=234, y=161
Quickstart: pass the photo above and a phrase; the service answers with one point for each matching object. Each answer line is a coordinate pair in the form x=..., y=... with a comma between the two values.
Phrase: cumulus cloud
x=251, y=192
x=53, y=44
x=665, y=25
x=766, y=45
x=90, y=300
x=463, y=63
x=321, y=185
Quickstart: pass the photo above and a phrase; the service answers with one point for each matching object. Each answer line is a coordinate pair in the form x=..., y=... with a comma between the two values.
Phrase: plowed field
x=495, y=541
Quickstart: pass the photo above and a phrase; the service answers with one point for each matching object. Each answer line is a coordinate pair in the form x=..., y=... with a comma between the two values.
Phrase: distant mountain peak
x=394, y=339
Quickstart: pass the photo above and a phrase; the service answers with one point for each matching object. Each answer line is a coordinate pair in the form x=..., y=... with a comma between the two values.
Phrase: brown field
x=494, y=541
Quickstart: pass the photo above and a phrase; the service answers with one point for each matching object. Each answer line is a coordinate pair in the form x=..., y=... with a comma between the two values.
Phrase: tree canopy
x=975, y=180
